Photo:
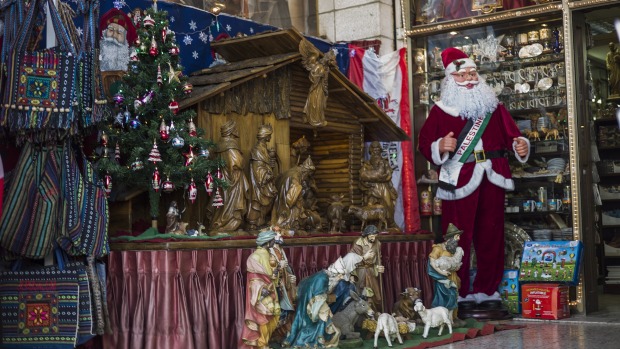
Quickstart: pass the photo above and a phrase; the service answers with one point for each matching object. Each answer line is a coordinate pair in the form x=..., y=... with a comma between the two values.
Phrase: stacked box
x=551, y=261
x=545, y=301
x=510, y=291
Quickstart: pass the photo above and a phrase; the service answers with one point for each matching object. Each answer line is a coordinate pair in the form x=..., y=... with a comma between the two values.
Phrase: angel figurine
x=314, y=110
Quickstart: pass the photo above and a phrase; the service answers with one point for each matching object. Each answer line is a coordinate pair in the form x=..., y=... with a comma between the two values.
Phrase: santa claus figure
x=117, y=35
x=470, y=135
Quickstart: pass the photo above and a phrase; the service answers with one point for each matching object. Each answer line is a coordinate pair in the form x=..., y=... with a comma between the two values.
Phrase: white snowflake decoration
x=187, y=40
x=192, y=25
x=489, y=48
x=203, y=37
x=118, y=4
x=252, y=30
x=228, y=27
x=212, y=22
x=195, y=55
x=80, y=31
x=210, y=37
x=171, y=19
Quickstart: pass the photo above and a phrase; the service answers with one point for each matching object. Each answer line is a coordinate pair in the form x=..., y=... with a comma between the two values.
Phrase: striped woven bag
x=28, y=226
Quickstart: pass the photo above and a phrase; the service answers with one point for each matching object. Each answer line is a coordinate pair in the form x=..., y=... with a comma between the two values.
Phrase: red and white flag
x=386, y=79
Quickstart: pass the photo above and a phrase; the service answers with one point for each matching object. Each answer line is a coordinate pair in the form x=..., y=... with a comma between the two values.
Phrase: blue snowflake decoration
x=192, y=25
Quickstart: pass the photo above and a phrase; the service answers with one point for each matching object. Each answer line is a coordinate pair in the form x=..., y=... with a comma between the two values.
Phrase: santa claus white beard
x=114, y=55
x=471, y=103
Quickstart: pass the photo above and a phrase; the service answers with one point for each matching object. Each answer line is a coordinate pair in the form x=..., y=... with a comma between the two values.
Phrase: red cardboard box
x=545, y=301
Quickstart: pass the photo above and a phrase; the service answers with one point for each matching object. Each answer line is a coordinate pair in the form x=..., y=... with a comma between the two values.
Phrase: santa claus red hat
x=119, y=17
x=454, y=60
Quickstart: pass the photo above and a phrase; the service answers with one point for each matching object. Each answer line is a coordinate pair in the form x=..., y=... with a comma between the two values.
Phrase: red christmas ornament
x=209, y=183
x=217, y=200
x=154, y=154
x=163, y=131
x=153, y=51
x=107, y=184
x=188, y=88
x=174, y=107
x=189, y=156
x=219, y=173
x=167, y=186
x=191, y=127
x=148, y=21
x=104, y=139
x=174, y=50
x=160, y=80
x=192, y=192
x=164, y=33
x=156, y=180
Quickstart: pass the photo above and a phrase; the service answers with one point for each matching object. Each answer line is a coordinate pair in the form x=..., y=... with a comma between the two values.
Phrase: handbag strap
x=13, y=16
x=25, y=30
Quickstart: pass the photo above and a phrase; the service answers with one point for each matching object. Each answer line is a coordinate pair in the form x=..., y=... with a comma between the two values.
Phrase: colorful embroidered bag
x=41, y=307
x=40, y=87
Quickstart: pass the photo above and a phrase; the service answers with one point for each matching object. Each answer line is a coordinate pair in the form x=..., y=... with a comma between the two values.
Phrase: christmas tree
x=156, y=147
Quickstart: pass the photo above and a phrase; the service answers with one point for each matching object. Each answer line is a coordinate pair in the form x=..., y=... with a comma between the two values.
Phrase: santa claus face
x=116, y=31
x=466, y=77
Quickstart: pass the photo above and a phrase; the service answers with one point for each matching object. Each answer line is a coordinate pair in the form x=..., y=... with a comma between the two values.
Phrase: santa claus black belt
x=482, y=156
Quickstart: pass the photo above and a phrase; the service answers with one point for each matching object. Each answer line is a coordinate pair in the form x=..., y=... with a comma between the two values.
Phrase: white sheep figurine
x=435, y=317
x=388, y=324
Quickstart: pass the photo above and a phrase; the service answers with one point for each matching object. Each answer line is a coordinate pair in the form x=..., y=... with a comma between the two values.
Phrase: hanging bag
x=92, y=104
x=83, y=197
x=45, y=307
x=28, y=226
x=39, y=93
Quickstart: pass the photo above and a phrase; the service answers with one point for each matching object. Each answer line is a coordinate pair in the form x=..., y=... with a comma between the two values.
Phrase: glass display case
x=524, y=63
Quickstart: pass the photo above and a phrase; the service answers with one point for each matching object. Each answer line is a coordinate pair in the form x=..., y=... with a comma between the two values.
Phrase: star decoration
x=173, y=75
x=189, y=156
x=490, y=47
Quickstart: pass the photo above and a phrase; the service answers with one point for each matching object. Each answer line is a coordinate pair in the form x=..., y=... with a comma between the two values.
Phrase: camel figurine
x=553, y=132
x=534, y=134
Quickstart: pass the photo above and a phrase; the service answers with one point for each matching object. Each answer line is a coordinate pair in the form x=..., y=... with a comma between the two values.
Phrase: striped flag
x=386, y=79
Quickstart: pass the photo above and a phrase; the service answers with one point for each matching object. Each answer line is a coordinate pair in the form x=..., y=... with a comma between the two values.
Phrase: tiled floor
x=600, y=330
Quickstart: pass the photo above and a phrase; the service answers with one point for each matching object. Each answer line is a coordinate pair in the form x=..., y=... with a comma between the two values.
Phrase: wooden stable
x=264, y=81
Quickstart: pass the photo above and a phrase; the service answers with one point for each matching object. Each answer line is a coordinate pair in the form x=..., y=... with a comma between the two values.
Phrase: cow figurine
x=335, y=213
x=376, y=213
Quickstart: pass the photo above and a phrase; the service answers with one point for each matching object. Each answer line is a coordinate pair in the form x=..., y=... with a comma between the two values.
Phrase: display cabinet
x=524, y=63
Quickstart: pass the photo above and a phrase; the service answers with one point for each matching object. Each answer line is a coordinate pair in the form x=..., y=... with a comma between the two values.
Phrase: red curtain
x=195, y=299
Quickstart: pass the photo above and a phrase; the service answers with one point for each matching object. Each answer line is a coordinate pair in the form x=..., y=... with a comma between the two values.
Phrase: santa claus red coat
x=483, y=218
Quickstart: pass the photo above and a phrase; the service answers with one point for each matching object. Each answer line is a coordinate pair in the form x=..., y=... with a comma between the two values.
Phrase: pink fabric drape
x=195, y=299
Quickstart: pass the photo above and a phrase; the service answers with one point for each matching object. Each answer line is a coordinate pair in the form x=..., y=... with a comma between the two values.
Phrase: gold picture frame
x=485, y=6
